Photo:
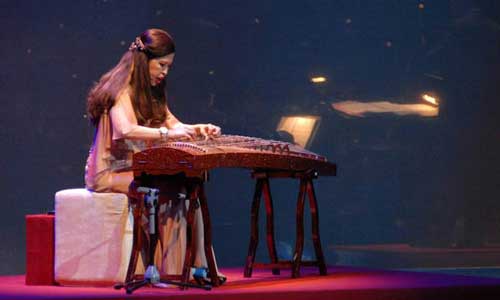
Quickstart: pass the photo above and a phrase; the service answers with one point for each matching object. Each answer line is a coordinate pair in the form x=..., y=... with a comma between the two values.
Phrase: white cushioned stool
x=93, y=237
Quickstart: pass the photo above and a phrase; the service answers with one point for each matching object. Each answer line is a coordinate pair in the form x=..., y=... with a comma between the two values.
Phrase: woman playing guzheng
x=128, y=103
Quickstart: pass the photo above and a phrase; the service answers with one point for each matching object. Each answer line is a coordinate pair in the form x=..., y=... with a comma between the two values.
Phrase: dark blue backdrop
x=244, y=64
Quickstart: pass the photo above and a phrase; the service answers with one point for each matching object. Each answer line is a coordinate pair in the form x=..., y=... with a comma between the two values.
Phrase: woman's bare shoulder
x=123, y=96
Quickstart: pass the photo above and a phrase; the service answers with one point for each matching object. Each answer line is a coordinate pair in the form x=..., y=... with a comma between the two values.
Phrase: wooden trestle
x=197, y=199
x=262, y=188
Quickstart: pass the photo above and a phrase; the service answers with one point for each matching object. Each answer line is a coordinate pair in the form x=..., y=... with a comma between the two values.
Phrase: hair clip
x=137, y=44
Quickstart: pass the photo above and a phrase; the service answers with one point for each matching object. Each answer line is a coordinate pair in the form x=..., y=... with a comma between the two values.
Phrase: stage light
x=360, y=109
x=302, y=128
x=430, y=99
x=318, y=79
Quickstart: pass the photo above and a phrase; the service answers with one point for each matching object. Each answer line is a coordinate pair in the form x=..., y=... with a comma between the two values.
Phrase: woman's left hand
x=207, y=130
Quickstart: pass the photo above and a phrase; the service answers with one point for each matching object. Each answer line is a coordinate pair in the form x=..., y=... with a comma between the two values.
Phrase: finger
x=214, y=130
x=188, y=136
x=217, y=130
x=211, y=131
x=205, y=134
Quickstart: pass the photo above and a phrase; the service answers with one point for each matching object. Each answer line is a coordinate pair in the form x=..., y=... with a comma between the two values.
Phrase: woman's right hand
x=181, y=133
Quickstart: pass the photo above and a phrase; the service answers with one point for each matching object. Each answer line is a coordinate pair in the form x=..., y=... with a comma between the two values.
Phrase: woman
x=128, y=106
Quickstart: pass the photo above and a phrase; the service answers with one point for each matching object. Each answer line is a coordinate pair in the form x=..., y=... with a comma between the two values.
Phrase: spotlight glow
x=430, y=99
x=318, y=79
x=360, y=109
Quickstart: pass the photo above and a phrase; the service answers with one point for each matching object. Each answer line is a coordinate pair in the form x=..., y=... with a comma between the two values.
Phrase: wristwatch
x=163, y=132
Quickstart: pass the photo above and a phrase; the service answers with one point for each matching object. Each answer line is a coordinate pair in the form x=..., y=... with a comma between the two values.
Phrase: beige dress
x=117, y=137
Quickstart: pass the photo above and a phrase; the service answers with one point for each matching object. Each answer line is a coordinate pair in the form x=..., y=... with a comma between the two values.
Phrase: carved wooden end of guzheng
x=268, y=159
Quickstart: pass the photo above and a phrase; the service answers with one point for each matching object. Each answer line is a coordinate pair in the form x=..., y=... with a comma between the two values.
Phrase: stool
x=93, y=237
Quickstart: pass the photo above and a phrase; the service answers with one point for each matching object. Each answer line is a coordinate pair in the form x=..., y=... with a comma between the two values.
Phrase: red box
x=40, y=249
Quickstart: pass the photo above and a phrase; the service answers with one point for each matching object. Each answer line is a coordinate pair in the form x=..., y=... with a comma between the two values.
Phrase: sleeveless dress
x=108, y=170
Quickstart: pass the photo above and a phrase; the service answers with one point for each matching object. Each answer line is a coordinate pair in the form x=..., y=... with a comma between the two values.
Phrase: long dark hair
x=133, y=69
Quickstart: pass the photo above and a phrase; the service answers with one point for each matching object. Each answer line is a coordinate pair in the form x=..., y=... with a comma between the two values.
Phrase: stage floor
x=340, y=283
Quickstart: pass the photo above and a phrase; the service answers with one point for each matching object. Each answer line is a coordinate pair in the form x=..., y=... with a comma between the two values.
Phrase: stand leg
x=136, y=241
x=135, y=285
x=254, y=229
x=207, y=237
x=152, y=276
x=299, y=243
x=271, y=246
x=189, y=256
x=313, y=205
x=306, y=189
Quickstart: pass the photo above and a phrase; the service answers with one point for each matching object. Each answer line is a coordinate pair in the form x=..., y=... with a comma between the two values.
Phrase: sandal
x=202, y=277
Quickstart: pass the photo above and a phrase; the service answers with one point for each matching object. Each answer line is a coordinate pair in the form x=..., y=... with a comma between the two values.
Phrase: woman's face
x=158, y=68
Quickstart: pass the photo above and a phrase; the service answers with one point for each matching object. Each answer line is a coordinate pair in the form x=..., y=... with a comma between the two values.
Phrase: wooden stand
x=262, y=188
x=197, y=198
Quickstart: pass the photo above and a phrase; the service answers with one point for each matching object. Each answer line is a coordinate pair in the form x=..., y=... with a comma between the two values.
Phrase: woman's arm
x=172, y=122
x=124, y=122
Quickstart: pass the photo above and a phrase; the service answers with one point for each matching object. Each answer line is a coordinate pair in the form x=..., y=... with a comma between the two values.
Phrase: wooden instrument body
x=194, y=158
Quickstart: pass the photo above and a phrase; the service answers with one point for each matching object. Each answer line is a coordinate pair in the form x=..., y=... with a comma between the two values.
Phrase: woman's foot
x=202, y=277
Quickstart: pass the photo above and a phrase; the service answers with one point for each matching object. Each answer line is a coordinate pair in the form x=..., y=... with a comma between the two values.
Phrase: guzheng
x=227, y=151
